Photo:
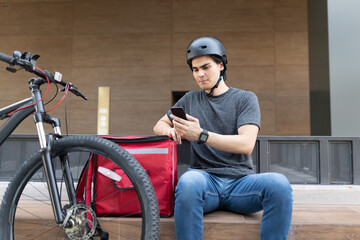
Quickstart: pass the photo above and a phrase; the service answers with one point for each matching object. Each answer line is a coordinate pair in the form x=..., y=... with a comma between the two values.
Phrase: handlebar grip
x=5, y=58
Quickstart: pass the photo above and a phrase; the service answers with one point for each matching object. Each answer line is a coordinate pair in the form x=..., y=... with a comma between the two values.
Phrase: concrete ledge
x=330, y=222
x=302, y=194
x=329, y=212
x=320, y=221
x=326, y=194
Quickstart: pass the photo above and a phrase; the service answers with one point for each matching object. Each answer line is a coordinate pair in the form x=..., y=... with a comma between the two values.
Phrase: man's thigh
x=199, y=183
x=246, y=195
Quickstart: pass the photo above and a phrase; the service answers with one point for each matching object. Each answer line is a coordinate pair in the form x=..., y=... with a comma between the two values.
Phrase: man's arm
x=242, y=143
x=165, y=127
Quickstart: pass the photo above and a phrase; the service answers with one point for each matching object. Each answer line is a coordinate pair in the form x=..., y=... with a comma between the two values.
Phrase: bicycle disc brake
x=80, y=222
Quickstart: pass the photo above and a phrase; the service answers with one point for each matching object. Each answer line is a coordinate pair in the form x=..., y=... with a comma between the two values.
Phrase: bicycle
x=56, y=213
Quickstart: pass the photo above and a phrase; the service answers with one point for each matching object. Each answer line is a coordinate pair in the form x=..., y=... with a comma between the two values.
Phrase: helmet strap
x=211, y=93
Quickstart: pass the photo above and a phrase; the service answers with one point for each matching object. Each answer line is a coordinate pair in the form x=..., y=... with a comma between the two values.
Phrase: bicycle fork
x=52, y=183
x=46, y=151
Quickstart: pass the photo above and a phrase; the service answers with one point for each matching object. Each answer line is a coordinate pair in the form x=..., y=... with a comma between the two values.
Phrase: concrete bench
x=330, y=212
x=330, y=222
x=319, y=212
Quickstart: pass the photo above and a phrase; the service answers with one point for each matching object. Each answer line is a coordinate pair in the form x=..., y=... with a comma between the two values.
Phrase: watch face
x=203, y=137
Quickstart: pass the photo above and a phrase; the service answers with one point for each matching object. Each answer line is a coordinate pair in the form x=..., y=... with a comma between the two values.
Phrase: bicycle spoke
x=38, y=190
x=31, y=225
x=37, y=224
x=38, y=200
x=41, y=234
x=32, y=214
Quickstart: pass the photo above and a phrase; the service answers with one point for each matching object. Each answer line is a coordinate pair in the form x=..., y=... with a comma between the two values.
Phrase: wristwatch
x=203, y=137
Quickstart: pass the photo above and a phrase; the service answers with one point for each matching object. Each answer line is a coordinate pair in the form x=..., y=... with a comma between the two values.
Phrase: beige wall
x=138, y=49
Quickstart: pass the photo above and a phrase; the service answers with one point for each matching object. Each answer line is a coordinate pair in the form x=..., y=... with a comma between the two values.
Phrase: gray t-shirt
x=222, y=114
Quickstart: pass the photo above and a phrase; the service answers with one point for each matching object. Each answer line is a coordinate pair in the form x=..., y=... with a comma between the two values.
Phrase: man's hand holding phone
x=179, y=112
x=189, y=129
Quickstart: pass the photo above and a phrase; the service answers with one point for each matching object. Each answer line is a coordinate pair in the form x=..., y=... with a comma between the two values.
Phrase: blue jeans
x=198, y=192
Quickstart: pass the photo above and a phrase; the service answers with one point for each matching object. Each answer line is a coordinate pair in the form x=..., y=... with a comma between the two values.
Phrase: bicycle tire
x=13, y=208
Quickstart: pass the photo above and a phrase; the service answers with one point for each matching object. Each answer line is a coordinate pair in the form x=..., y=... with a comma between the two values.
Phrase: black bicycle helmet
x=206, y=46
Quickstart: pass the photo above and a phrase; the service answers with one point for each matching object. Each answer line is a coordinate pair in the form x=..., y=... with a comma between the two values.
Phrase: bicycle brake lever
x=76, y=91
x=11, y=69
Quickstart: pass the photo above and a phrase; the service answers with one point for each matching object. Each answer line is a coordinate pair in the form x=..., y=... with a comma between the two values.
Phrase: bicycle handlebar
x=27, y=61
x=5, y=58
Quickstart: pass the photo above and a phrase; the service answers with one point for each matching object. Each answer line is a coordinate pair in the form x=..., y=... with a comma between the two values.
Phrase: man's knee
x=278, y=187
x=192, y=184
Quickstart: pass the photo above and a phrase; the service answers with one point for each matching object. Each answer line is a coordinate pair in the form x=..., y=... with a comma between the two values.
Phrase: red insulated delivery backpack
x=158, y=157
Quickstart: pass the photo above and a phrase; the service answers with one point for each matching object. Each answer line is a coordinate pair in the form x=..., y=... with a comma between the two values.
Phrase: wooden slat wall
x=138, y=49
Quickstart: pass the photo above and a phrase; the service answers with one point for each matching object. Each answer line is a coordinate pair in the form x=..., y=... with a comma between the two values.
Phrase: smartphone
x=179, y=112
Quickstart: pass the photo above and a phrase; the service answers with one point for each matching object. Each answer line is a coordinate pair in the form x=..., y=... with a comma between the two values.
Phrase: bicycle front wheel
x=27, y=213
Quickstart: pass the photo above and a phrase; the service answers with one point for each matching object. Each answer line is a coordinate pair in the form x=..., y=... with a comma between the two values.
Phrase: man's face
x=206, y=71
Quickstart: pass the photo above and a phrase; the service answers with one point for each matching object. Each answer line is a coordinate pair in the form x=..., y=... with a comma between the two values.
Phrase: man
x=222, y=126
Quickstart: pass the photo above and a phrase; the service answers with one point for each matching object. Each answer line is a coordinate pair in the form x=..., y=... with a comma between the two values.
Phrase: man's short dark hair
x=218, y=60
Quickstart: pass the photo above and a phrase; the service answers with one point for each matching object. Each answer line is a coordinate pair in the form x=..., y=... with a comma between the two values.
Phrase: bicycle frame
x=36, y=106
x=11, y=124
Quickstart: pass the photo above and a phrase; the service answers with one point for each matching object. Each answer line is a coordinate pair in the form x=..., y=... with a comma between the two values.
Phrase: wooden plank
x=231, y=15
x=292, y=116
x=137, y=117
x=291, y=16
x=328, y=232
x=309, y=222
x=291, y=48
x=137, y=83
x=118, y=17
x=28, y=18
x=55, y=51
x=133, y=49
x=292, y=81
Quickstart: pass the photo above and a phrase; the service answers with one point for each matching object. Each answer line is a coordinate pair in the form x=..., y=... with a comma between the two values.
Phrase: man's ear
x=221, y=66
